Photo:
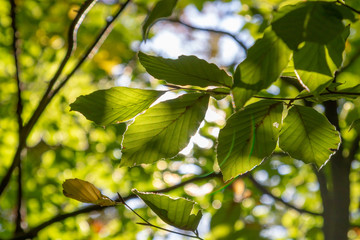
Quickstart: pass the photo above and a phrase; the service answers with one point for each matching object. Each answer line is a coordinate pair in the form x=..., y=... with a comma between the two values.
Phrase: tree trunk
x=336, y=205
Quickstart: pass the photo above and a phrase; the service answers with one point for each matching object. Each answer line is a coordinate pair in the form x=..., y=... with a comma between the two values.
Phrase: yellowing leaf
x=85, y=192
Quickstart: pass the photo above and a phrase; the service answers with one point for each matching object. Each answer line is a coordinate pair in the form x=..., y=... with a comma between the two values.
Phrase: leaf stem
x=207, y=30
x=267, y=192
x=147, y=223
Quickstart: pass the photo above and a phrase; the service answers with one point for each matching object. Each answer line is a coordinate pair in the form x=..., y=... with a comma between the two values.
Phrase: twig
x=147, y=223
x=310, y=96
x=167, y=230
x=34, y=231
x=207, y=30
x=19, y=109
x=93, y=48
x=266, y=191
x=15, y=43
x=84, y=9
x=72, y=38
x=349, y=7
x=18, y=220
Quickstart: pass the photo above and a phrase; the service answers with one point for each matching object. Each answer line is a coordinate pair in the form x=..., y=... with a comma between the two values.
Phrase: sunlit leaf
x=163, y=130
x=307, y=135
x=318, y=22
x=85, y=192
x=249, y=136
x=178, y=212
x=336, y=47
x=114, y=105
x=264, y=63
x=186, y=70
x=163, y=8
x=311, y=66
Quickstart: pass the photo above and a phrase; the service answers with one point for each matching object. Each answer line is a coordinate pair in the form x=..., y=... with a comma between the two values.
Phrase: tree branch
x=310, y=96
x=19, y=109
x=84, y=9
x=266, y=191
x=34, y=231
x=18, y=220
x=92, y=49
x=15, y=42
x=349, y=7
x=72, y=38
x=207, y=30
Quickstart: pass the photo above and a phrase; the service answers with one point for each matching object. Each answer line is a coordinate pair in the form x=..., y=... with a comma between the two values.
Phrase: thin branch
x=147, y=223
x=310, y=96
x=207, y=30
x=19, y=109
x=349, y=7
x=93, y=47
x=266, y=191
x=15, y=43
x=168, y=230
x=72, y=38
x=34, y=231
x=84, y=9
x=18, y=220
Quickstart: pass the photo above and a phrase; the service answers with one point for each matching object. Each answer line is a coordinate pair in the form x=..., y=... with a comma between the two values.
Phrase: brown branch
x=25, y=131
x=34, y=231
x=19, y=109
x=19, y=209
x=93, y=47
x=267, y=192
x=72, y=38
x=15, y=43
x=207, y=30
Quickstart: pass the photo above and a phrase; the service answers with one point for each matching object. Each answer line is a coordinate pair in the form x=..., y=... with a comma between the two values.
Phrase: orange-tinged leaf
x=85, y=192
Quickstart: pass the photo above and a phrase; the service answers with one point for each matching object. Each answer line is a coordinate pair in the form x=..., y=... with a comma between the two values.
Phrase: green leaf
x=163, y=130
x=336, y=47
x=264, y=63
x=307, y=135
x=163, y=8
x=249, y=136
x=186, y=70
x=117, y=104
x=316, y=64
x=311, y=66
x=178, y=212
x=318, y=22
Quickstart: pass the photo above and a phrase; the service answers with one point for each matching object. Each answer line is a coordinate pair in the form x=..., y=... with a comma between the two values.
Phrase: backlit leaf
x=311, y=66
x=307, y=135
x=163, y=130
x=85, y=192
x=117, y=104
x=186, y=70
x=249, y=136
x=163, y=8
x=318, y=22
x=264, y=63
x=178, y=212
